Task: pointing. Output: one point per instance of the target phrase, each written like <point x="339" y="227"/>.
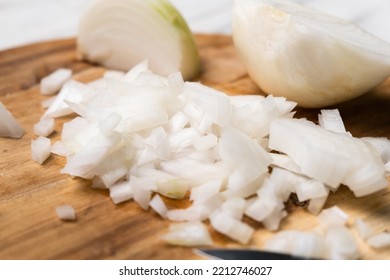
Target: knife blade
<point x="244" y="254"/>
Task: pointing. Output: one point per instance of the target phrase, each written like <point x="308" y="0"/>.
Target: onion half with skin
<point x="119" y="34"/>
<point x="306" y="56"/>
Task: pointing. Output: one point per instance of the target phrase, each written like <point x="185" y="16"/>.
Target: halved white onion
<point x="121" y="33"/>
<point x="306" y="56"/>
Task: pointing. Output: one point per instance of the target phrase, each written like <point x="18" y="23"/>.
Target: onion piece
<point x="363" y="229"/>
<point x="9" y="127"/>
<point x="44" y="127"/>
<point x="380" y="240"/>
<point x="58" y="148"/>
<point x="188" y="234"/>
<point x="158" y="205"/>
<point x="132" y="30"/>
<point x="332" y="216"/>
<point x="331" y="120"/>
<point x="341" y="243"/>
<point x="205" y="191"/>
<point x="66" y="212"/>
<point x="310" y="189"/>
<point x="234" y="207"/>
<point x="247" y="160"/>
<point x="120" y="192"/>
<point x="52" y="83"/>
<point x="317" y="204"/>
<point x="222" y="222"/>
<point x="304" y="244"/>
<point x="40" y="149"/>
<point x="381" y="145"/>
<point x="285" y="162"/>
<point x="73" y="91"/>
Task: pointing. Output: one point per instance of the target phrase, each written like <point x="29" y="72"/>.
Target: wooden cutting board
<point x="29" y="193"/>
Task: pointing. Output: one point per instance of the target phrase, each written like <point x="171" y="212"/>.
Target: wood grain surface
<point x="29" y="192"/>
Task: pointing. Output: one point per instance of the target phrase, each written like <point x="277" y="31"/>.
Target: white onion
<point x="158" y="205"/>
<point x="329" y="157"/>
<point x="121" y="33"/>
<point x="44" y="127"/>
<point x="141" y="136"/>
<point x="380" y="240"/>
<point x="40" y="149"/>
<point x="317" y="204"/>
<point x="58" y="148"/>
<point x="52" y="83"/>
<point x="188" y="234"/>
<point x="234" y="207"/>
<point x="331" y="120"/>
<point x="121" y="192"/>
<point x="9" y="126"/>
<point x="332" y="216"/>
<point x="72" y="91"/>
<point x="341" y="243"/>
<point x="302" y="244"/>
<point x="285" y="162"/>
<point x="233" y="228"/>
<point x="363" y="229"/>
<point x="205" y="191"/>
<point x="66" y="212"/>
<point x="306" y="56"/>
<point x="381" y="145"/>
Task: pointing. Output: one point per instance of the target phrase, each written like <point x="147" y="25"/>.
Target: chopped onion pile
<point x="143" y="136"/>
<point x="9" y="126"/>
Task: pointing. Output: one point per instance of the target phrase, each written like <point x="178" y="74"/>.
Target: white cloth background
<point x="27" y="21"/>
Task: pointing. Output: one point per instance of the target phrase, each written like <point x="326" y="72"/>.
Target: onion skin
<point x="119" y="34"/>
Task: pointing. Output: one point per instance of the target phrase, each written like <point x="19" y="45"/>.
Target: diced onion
<point x="44" y="127"/>
<point x="143" y="137"/>
<point x="66" y="212"/>
<point x="158" y="205"/>
<point x="332" y="216"/>
<point x="342" y="243"/>
<point x="40" y="149"/>
<point x="224" y="223"/>
<point x="331" y="120"/>
<point x="188" y="234"/>
<point x="52" y="83"/>
<point x="363" y="229"/>
<point x="380" y="240"/>
<point x="121" y="192"/>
